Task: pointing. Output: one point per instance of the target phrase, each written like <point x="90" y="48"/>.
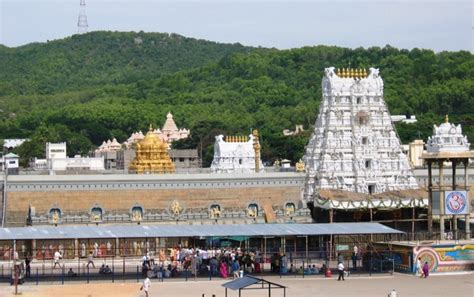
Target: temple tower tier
<point x="354" y="146"/>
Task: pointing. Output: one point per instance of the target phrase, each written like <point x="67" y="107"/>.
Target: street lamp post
<point x="4" y="202"/>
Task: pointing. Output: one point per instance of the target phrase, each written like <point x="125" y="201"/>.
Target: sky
<point x="436" y="25"/>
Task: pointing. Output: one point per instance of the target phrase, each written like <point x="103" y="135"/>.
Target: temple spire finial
<point x="446" y="119"/>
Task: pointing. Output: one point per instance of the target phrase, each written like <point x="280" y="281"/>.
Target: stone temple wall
<point x="181" y="198"/>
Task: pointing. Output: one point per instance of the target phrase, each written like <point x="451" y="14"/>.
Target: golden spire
<point x="352" y="73"/>
<point x="343" y="73"/>
<point x="359" y="73"/>
<point x="446" y="119"/>
<point x="365" y="73"/>
<point x="150" y="128"/>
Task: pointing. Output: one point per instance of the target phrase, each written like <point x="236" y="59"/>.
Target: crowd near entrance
<point x="190" y="257"/>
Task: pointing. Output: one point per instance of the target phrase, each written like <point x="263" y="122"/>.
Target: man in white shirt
<point x="340" y="269"/>
<point x="57" y="257"/>
<point x="146" y="285"/>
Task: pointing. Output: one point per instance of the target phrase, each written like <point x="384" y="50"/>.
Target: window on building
<point x="240" y="161"/>
<point x="365" y="140"/>
<point x="359" y="100"/>
<point x="181" y="159"/>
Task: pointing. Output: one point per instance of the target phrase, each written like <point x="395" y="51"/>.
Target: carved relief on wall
<point x="252" y="210"/>
<point x="137" y="214"/>
<point x="290" y="209"/>
<point x="55" y="215"/>
<point x="175" y="209"/>
<point x="214" y="211"/>
<point x="96" y="214"/>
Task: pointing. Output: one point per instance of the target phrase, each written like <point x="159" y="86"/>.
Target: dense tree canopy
<point x="114" y="88"/>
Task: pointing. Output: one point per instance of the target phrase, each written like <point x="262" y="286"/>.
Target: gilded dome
<point x="150" y="141"/>
<point x="151" y="155"/>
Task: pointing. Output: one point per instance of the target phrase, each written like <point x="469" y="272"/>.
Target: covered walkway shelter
<point x="249" y="282"/>
<point x="135" y="240"/>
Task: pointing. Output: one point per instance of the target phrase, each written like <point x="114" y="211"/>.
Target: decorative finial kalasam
<point x="446" y="119"/>
<point x="150" y="128"/>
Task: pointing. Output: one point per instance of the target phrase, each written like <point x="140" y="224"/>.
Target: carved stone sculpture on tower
<point x="354" y="127"/>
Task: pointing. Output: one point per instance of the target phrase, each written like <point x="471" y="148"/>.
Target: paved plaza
<point x="437" y="285"/>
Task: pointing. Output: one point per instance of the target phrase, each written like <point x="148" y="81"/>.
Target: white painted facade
<point x="354" y="146"/>
<point x="234" y="156"/>
<point x="56" y="150"/>
<point x="76" y="163"/>
<point x="56" y="159"/>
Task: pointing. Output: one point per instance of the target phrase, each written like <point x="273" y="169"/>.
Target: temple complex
<point x="237" y="154"/>
<point x="354" y="151"/>
<point x="168" y="133"/>
<point x="109" y="146"/>
<point x="151" y="156"/>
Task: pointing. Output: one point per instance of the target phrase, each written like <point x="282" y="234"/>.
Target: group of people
<point x="422" y="271"/>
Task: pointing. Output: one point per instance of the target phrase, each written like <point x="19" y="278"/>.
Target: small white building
<point x="234" y="154"/>
<point x="10" y="161"/>
<point x="56" y="150"/>
<point x="57" y="160"/>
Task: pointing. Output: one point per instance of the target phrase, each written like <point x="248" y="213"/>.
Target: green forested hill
<point x="99" y="58"/>
<point x="266" y="89"/>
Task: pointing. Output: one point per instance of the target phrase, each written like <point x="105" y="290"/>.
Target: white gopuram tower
<point x="354" y="146"/>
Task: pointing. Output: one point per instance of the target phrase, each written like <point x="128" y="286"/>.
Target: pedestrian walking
<point x="235" y="269"/>
<point x="418" y="267"/>
<point x="146" y="286"/>
<point x="90" y="260"/>
<point x="57" y="257"/>
<point x="426" y="270"/>
<point x="340" y="269"/>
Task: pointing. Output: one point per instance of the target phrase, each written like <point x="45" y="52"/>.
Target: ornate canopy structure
<point x="152" y="156"/>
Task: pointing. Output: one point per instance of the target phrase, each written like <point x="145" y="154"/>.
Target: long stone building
<point x="180" y="198"/>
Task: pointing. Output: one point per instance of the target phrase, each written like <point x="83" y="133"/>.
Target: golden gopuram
<point x="151" y="156"/>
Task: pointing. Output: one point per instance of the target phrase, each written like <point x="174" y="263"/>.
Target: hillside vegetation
<point x="234" y="90"/>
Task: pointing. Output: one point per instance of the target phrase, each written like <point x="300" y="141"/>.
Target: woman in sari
<point x="426" y="270"/>
<point x="223" y="269"/>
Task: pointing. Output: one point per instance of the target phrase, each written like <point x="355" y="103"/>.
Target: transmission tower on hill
<point x="82" y="20"/>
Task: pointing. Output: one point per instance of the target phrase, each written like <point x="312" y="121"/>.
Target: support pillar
<point x="455" y="218"/>
<point x="430" y="198"/>
<point x="117" y="248"/>
<point x="33" y="249"/>
<point x="76" y="248"/>
<point x="441" y="199"/>
<point x="468" y="216"/>
<point x="331" y="218"/>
